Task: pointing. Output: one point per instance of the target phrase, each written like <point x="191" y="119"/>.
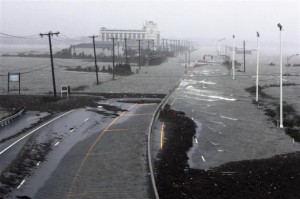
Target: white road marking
<point x="293" y="140"/>
<point x="221" y="123"/>
<point x="34" y="131"/>
<point x="72" y="130"/>
<point x="213" y="143"/>
<point x="21" y="184"/>
<point x="86" y="119"/>
<point x="37" y="164"/>
<point x="220" y="150"/>
<point x="56" y="143"/>
<point x="196" y="140"/>
<point x="203" y="158"/>
<point x="100" y="106"/>
<point x="229" y="118"/>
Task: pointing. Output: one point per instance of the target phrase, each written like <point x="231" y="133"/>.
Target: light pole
<point x="233" y="57"/>
<point x="257" y="66"/>
<point x="220" y="48"/>
<point x="281" y="111"/>
<point x="287" y="61"/>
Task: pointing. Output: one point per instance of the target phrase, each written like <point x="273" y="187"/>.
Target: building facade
<point x="149" y="32"/>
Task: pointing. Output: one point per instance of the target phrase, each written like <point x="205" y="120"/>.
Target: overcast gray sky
<point x="175" y="18"/>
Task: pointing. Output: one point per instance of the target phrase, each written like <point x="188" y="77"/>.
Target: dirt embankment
<point x="276" y="177"/>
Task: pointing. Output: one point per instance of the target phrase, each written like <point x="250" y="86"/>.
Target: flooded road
<point x="229" y="126"/>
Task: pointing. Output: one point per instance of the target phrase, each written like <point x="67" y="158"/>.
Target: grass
<point x="80" y="88"/>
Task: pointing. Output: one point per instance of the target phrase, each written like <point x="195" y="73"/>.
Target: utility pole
<point x="50" y="34"/>
<point x="139" y="53"/>
<point x="96" y="67"/>
<point x="126" y="55"/>
<point x="189" y="58"/>
<point x="257" y="67"/>
<point x="163" y="45"/>
<point x="281" y="97"/>
<point x="233" y="58"/>
<point x="113" y="39"/>
<point x="119" y="52"/>
<point x="185" y="60"/>
<point x="167" y="46"/>
<point x="244" y="56"/>
<point x="148" y="45"/>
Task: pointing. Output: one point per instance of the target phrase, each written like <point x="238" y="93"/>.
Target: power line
<point x="69" y="38"/>
<point x="35" y="70"/>
<point x="21" y="37"/>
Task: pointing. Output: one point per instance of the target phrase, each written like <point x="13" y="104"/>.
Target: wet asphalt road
<point x="8" y="136"/>
<point x="95" y="153"/>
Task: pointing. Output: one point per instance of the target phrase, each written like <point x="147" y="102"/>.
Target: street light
<point x="220" y="49"/>
<point x="257" y="66"/>
<point x="287" y="60"/>
<point x="281" y="111"/>
<point x="233" y="58"/>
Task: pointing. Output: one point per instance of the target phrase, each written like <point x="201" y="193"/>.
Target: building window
<point x="134" y="36"/>
<point x="143" y="35"/>
<point x="125" y="35"/>
<point x="107" y="36"/>
<point x="129" y="35"/>
<point x="121" y="35"/>
<point x="103" y="37"/>
<point x="111" y="35"/>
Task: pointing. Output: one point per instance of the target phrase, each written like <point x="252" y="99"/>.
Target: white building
<point x="147" y="33"/>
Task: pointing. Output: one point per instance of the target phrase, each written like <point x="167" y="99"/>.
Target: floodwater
<point x="229" y="126"/>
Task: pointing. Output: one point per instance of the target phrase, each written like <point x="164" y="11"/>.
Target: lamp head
<point x="279" y="26"/>
<point x="233" y="36"/>
<point x="257" y="34"/>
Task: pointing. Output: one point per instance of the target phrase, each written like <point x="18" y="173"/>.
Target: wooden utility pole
<point x="96" y="67"/>
<point x="113" y="39"/>
<point x="50" y="34"/>
<point x="148" y="46"/>
<point x="244" y="56"/>
<point x="125" y="39"/>
<point x="139" y="53"/>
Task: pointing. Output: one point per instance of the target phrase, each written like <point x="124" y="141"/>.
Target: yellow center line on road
<point x="91" y="148"/>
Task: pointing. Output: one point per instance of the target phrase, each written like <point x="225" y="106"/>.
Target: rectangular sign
<point x="14" y="77"/>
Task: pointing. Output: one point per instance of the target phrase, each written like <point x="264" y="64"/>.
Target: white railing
<point x="11" y="118"/>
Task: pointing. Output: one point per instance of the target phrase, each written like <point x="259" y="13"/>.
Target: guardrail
<point x="10" y="119"/>
<point x="153" y="120"/>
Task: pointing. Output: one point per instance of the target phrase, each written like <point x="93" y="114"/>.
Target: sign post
<point x="14" y="77"/>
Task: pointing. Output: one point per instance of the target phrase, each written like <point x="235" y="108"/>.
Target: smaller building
<point x="103" y="48"/>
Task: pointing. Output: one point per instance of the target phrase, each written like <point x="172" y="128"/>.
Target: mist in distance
<point x="192" y="20"/>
